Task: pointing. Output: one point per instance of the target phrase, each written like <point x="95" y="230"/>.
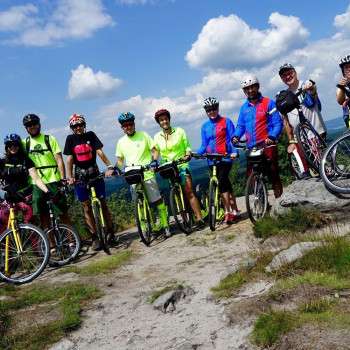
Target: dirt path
<point x="123" y="319"/>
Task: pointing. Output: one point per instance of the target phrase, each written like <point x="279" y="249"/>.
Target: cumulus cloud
<point x="134" y="2"/>
<point x="84" y="83"/>
<point x="228" y="41"/>
<point x="70" y="19"/>
<point x="342" y="23"/>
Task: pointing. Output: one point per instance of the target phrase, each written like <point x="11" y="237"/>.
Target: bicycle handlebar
<point x="211" y="156"/>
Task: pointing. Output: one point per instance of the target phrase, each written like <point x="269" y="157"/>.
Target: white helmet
<point x="343" y="61"/>
<point x="210" y="102"/>
<point x="249" y="80"/>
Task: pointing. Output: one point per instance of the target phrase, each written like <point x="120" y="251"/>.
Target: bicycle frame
<point x="141" y="195"/>
<point x="95" y="200"/>
<point x="213" y="178"/>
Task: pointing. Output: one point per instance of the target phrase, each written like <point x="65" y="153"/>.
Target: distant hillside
<point x="336" y="123"/>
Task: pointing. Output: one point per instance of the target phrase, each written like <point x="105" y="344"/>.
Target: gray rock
<point x="296" y="251"/>
<point x="168" y="300"/>
<point x="64" y="344"/>
<point x="249" y="263"/>
<point x="310" y="193"/>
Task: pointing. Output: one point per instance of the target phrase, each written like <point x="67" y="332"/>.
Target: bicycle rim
<point x="256" y="197"/>
<point x="213" y="204"/>
<point x="295" y="167"/>
<point x="28" y="264"/>
<point x="311" y="144"/>
<point x="100" y="229"/>
<point x="335" y="165"/>
<point x="143" y="221"/>
<point x="178" y="209"/>
<point x="67" y="243"/>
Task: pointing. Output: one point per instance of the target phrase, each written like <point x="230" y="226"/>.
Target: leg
<point x="191" y="197"/>
<point x="273" y="173"/>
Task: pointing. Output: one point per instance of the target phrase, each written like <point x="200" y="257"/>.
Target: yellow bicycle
<point x="24" y="251"/>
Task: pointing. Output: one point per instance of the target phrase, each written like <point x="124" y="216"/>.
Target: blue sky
<point x="100" y="57"/>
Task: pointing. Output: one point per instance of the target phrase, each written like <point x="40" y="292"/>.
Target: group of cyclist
<point x="34" y="166"/>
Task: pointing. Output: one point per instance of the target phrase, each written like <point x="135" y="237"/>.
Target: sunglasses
<point x="126" y="125"/>
<point x="208" y="110"/>
<point x="81" y="125"/>
<point x="30" y="124"/>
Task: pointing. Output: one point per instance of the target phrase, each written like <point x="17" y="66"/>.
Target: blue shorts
<point x="82" y="191"/>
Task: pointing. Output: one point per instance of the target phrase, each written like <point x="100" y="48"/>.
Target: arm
<point x="340" y="93"/>
<point x="155" y="153"/>
<point x="70" y="161"/>
<point x="187" y="144"/>
<point x="109" y="172"/>
<point x="240" y="128"/>
<point x="120" y="162"/>
<point x="60" y="164"/>
<point x="36" y="179"/>
<point x="204" y="144"/>
<point x="230" y="129"/>
<point x="275" y="121"/>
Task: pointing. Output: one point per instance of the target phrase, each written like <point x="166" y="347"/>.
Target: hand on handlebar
<point x="343" y="81"/>
<point x="187" y="157"/>
<point x="269" y="141"/>
<point x="70" y="180"/>
<point x="109" y="172"/>
<point x="154" y="164"/>
<point x="235" y="140"/>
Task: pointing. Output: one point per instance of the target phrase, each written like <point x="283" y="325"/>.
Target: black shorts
<point x="222" y="173"/>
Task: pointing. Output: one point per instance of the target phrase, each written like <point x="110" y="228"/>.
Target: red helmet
<point x="161" y="112"/>
<point x="76" y="119"/>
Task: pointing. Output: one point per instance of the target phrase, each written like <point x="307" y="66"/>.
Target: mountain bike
<point x="216" y="212"/>
<point x="97" y="212"/>
<point x="256" y="194"/>
<point x="65" y="241"/>
<point x="179" y="206"/>
<point x="24" y="250"/>
<point x="144" y="216"/>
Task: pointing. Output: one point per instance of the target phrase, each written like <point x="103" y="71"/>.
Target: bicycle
<point x="100" y="222"/>
<point x="180" y="208"/>
<point x="256" y="194"/>
<point x="145" y="221"/>
<point x="66" y="241"/>
<point x="216" y="212"/>
<point x="24" y="250"/>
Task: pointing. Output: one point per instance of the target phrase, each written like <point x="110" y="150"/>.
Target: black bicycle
<point x="179" y="206"/>
<point x="64" y="240"/>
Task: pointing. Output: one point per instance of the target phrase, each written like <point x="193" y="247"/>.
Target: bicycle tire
<point x="100" y="229"/>
<point x="35" y="244"/>
<point x="297" y="172"/>
<point x="257" y="188"/>
<point x="336" y="176"/>
<point x="181" y="214"/>
<point x="68" y="247"/>
<point x="213" y="204"/>
<point x="312" y="146"/>
<point x="144" y="226"/>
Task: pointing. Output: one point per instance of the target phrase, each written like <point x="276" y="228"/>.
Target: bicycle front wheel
<point x="182" y="215"/>
<point x="213" y="204"/>
<point x="23" y="254"/>
<point x="67" y="244"/>
<point x="312" y="145"/>
<point x="100" y="228"/>
<point x="335" y="165"/>
<point x="256" y="197"/>
<point x="143" y="221"/>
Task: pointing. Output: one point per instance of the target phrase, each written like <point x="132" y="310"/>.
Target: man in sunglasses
<point x="216" y="134"/>
<point x="81" y="149"/>
<point x="46" y="155"/>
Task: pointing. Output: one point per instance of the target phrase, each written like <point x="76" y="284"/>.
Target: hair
<point x="21" y="152"/>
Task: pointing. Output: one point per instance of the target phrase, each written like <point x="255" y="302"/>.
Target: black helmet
<point x="30" y="118"/>
<point x="284" y="67"/>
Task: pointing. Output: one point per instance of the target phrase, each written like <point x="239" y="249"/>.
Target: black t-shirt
<point x="14" y="171"/>
<point x="83" y="149"/>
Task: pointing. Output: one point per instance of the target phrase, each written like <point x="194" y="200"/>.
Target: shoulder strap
<point x="47" y="143"/>
<point x="28" y="144"/>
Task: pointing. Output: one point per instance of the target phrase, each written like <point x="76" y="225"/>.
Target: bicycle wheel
<point x="143" y="221"/>
<point x="27" y="264"/>
<point x="296" y="167"/>
<point x="256" y="197"/>
<point x="335" y="165"/>
<point x="100" y="228"/>
<point x="213" y="204"/>
<point x="67" y="245"/>
<point x="182" y="214"/>
<point x="312" y="145"/>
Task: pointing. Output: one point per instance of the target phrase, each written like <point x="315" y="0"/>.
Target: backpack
<point x="83" y="152"/>
<point x="41" y="151"/>
<point x="286" y="101"/>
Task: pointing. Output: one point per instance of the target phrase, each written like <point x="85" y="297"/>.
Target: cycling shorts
<point x="222" y="173"/>
<point x="83" y="193"/>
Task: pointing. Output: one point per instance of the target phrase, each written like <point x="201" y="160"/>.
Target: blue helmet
<point x="12" y="138"/>
<point x="126" y="117"/>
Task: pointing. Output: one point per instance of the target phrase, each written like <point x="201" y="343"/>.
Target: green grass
<point x="317" y="305"/>
<point x="158" y="292"/>
<point x="103" y="265"/>
<point x="230" y="283"/>
<point x="296" y="220"/>
<point x="270" y="326"/>
<point x="68" y="299"/>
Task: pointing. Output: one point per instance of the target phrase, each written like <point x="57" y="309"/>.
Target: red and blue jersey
<point x="216" y="136"/>
<point x="259" y="121"/>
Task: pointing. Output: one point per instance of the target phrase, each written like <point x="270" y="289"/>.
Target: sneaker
<point x="96" y="245"/>
<point x="229" y="218"/>
<point x="167" y="232"/>
<point x="200" y="225"/>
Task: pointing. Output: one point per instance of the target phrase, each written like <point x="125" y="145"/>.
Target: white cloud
<point x="134" y="2"/>
<point x="17" y="17"/>
<point x="342" y="23"/>
<point x="70" y="19"/>
<point x="227" y="42"/>
<point x="84" y="83"/>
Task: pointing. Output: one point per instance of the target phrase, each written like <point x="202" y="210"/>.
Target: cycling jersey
<point x="258" y="121"/>
<point x="216" y="137"/>
<point x="136" y="150"/>
<point x="43" y="157"/>
<point x="172" y="146"/>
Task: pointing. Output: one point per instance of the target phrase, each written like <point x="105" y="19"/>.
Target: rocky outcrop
<point x="310" y="193"/>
